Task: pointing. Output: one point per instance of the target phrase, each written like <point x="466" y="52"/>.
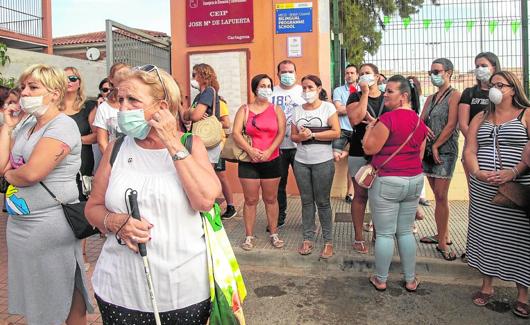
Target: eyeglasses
<point x="253" y="121"/>
<point x="150" y="68"/>
<point x="435" y="72"/>
<point x="499" y="85"/>
<point x="73" y="78"/>
<point x="104" y="90"/>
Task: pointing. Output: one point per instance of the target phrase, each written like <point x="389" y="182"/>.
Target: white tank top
<point x="177" y="250"/>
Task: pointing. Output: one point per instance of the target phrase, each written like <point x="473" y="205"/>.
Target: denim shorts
<point x="443" y="170"/>
<point x="354" y="164"/>
<point x="339" y="144"/>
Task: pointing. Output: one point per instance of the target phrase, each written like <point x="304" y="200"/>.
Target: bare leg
<point x="522" y="294"/>
<point x="441" y="212"/>
<point x="251" y="194"/>
<point x="358" y="209"/>
<point x="269" y="189"/>
<point x="77" y="315"/>
<point x="225" y="185"/>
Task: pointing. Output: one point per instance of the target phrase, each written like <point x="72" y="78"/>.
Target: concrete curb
<point x="347" y="263"/>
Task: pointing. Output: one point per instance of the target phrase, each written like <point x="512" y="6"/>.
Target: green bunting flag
<point x="426" y="23"/>
<point x="469" y="25"/>
<point x="406" y="21"/>
<point x="515" y="26"/>
<point x="386" y="20"/>
<point x="492" y="25"/>
<point x="448" y="24"/>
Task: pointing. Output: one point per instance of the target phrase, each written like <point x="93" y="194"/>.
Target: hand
<point x="436" y="156"/>
<point x="133" y="232"/>
<point x="9" y="115"/>
<point x="165" y="125"/>
<point x="368" y="118"/>
<point x="364" y="87"/>
<point x="499" y="177"/>
<point x="204" y="116"/>
<point x="430" y="134"/>
<point x="255" y="154"/>
<point x="305" y="133"/>
<point x="266" y="155"/>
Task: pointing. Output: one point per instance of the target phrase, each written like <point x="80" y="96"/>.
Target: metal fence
<point x="454" y="29"/>
<point x="21" y="16"/>
<point x="135" y="48"/>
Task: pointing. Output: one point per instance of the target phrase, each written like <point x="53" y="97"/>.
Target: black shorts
<point x="264" y="170"/>
<point x="220" y="166"/>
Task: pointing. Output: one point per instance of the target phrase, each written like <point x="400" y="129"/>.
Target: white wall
<point x="91" y="72"/>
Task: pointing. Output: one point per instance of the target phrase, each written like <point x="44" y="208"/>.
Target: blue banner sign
<point x="294" y="18"/>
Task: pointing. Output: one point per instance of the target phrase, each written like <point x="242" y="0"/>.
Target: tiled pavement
<point x="291" y="233"/>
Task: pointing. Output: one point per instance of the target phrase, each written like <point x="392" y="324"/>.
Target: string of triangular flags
<point x="448" y="23"/>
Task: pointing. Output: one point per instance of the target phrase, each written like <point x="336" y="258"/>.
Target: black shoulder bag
<point x="75" y="215"/>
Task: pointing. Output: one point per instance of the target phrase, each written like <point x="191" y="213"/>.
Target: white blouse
<point x="177" y="250"/>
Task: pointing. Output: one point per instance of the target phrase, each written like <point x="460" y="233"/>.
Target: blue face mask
<point x="437" y="80"/>
<point x="133" y="123"/>
<point x="287" y="79"/>
<point x="382" y="87"/>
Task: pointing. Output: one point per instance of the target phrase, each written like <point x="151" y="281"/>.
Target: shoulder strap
<point x="214" y="103"/>
<point x="51" y="193"/>
<point x="116" y="149"/>
<point x="520" y="116"/>
<point x="381" y="107"/>
<point x="402" y="145"/>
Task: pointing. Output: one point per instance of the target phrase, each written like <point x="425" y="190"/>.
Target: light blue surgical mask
<point x="437" y="80"/>
<point x="382" y="87"/>
<point x="133" y="123"/>
<point x="287" y="79"/>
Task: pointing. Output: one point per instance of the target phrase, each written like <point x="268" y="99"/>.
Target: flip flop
<point x="372" y="280"/>
<point x="521" y="309"/>
<point x="485" y="297"/>
<point x="447" y="255"/>
<point x="432" y="240"/>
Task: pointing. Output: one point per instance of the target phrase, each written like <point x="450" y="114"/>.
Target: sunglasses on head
<point x="73" y="78"/>
<point x="150" y="68"/>
<point x="435" y="72"/>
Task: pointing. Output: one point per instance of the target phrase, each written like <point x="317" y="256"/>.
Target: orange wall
<point x="265" y="51"/>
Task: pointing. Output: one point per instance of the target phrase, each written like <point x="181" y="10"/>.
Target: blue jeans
<point x="393" y="201"/>
<point x="314" y="183"/>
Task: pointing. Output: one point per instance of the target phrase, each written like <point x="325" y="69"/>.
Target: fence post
<point x="526" y="54"/>
<point x="109" y="55"/>
<point x="336" y="46"/>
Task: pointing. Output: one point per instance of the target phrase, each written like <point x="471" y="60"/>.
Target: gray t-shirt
<point x="33" y="200"/>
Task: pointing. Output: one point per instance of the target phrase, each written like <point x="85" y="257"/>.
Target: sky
<point x="71" y="17"/>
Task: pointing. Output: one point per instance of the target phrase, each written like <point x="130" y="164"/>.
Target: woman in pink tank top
<point x="265" y="124"/>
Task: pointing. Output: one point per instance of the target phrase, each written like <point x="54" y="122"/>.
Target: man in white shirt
<point x="340" y="97"/>
<point x="287" y="95"/>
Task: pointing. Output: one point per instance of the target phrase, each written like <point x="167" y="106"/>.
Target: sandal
<point x="481" y="299"/>
<point x="276" y="241"/>
<point x="447" y="255"/>
<point x="306" y="248"/>
<point x="360" y="247"/>
<point x="520" y="309"/>
<point x="416" y="285"/>
<point x="432" y="240"/>
<point x="249" y="243"/>
<point x="414" y="229"/>
<point x="368" y="226"/>
<point x="327" y="252"/>
<point x="374" y="282"/>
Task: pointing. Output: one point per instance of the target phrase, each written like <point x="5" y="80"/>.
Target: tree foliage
<point x="362" y="23"/>
<point x="4" y="59"/>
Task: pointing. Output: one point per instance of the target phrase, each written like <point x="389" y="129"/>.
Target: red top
<point x="264" y="130"/>
<point x="400" y="123"/>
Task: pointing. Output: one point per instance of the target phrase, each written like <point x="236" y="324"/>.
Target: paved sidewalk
<point x="265" y="254"/>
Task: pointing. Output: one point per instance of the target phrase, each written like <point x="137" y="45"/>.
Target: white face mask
<point x="33" y="105"/>
<point x="265" y="93"/>
<point x="482" y="73"/>
<point x="367" y="78"/>
<point x="195" y="84"/>
<point x="287" y="79"/>
<point x="310" y="96"/>
<point x="495" y="95"/>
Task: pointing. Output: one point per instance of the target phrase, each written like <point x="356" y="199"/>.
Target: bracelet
<point x="515" y="173"/>
<point x="105" y="222"/>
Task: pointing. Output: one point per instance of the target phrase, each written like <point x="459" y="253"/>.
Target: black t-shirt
<point x="476" y="98"/>
<point x="87" y="155"/>
<point x="206" y="97"/>
<point x="375" y="106"/>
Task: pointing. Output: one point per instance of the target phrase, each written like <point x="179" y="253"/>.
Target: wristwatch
<point x="180" y="155"/>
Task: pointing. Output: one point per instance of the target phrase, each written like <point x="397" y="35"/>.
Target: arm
<point x="197" y="113"/>
<point x="334" y="133"/>
<point x="225" y="122"/>
<point x="46" y="155"/>
<point x="452" y="121"/>
<point x="341" y="109"/>
<point x="463" y="118"/>
<point x="92" y="137"/>
<point x="471" y="149"/>
<point x="102" y="137"/>
<point x="280" y="117"/>
<point x="237" y="134"/>
<point x="6" y="129"/>
<point x="375" y="137"/>
<point x="357" y="110"/>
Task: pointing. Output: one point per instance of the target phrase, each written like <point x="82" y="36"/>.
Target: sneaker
<point x="280" y="225"/>
<point x="229" y="213"/>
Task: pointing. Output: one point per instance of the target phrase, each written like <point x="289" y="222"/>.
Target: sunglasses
<point x="104" y="90"/>
<point x="435" y="72"/>
<point x="253" y="121"/>
<point x="150" y="68"/>
<point x="73" y="78"/>
<point x="499" y="85"/>
<point x="193" y="74"/>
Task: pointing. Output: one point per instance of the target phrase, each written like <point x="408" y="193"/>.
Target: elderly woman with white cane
<point x="172" y="185"/>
